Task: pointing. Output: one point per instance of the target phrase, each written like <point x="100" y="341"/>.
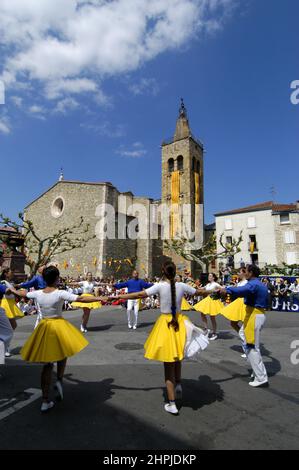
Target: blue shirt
<point x="255" y="293"/>
<point x="37" y="282"/>
<point x="133" y="285"/>
<point x="2" y="289"/>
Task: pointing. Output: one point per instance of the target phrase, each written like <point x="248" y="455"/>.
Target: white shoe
<point x="83" y="329"/>
<point x="244" y="356"/>
<point x="178" y="392"/>
<point x="213" y="337"/>
<point x="171" y="409"/>
<point x="256" y="383"/>
<point x="59" y="390"/>
<point x="134" y="327"/>
<point x="46" y="406"/>
<point x="130" y="327"/>
<point x="7" y="354"/>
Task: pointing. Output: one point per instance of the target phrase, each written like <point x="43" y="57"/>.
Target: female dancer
<point x="166" y="342"/>
<point x="88" y="288"/>
<point x="6" y="331"/>
<point x="209" y="306"/>
<point x="54" y="339"/>
<point x="8" y="302"/>
<point x="236" y="311"/>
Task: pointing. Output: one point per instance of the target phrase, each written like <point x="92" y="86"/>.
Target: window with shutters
<point x="284" y="219"/>
<point x="291" y="257"/>
<point x="251" y="222"/>
<point x="289" y="237"/>
<point x="228" y="224"/>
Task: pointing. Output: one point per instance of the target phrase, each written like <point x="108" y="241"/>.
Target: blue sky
<point x="105" y="122"/>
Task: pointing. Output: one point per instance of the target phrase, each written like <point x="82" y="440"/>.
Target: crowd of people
<point x="243" y="300"/>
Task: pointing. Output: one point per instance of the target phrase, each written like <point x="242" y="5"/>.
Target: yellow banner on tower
<point x="175" y="199"/>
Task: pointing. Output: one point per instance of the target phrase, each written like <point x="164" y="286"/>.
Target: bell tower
<point x="182" y="185"/>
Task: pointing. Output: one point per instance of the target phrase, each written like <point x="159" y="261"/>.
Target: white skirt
<point x="196" y="341"/>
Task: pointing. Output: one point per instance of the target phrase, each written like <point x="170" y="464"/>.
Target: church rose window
<point x="57" y="207"/>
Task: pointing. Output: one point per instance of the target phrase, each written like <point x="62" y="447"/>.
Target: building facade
<point x="270" y="233"/>
<point x="125" y="230"/>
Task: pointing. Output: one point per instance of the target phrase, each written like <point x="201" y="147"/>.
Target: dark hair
<point x="243" y="270"/>
<point x="215" y="277"/>
<point x="50" y="275"/>
<point x="255" y="270"/>
<point x="169" y="270"/>
<point x="4" y="273"/>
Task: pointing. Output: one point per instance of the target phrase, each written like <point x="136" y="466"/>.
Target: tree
<point x="40" y="251"/>
<point x="205" y="255"/>
<point x="284" y="270"/>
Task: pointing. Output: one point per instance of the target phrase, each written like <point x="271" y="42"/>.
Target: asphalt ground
<point x="114" y="397"/>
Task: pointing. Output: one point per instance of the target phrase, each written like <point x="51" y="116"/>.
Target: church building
<point x="137" y="225"/>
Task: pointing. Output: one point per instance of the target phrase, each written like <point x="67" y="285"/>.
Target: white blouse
<point x="87" y="287"/>
<point x="211" y="286"/>
<point x="51" y="304"/>
<point x="163" y="289"/>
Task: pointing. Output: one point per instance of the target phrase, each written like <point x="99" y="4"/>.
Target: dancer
<point x="167" y="340"/>
<point x="36" y="282"/>
<point x="8" y="302"/>
<point x="133" y="285"/>
<point x="255" y="295"/>
<point x="54" y="339"/>
<point x="209" y="306"/>
<point x="6" y="330"/>
<point x="236" y="311"/>
<point x="88" y="288"/>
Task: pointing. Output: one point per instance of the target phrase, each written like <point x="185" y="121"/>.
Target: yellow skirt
<point x="91" y="306"/>
<point x="164" y="344"/>
<point x="249" y="323"/>
<point x="185" y="305"/>
<point x="11" y="308"/>
<point x="235" y="311"/>
<point x="53" y="340"/>
<point x="209" y="306"/>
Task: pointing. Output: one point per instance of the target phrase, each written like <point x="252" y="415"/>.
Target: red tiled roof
<point x="268" y="205"/>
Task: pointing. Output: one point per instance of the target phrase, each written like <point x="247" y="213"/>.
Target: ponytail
<point x="169" y="269"/>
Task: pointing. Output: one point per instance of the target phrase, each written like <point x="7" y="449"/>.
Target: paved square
<point x="114" y="397"/>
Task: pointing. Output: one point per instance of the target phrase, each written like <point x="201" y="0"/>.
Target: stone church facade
<point x="137" y="223"/>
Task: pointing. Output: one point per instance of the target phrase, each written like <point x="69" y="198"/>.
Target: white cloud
<point x="17" y="100"/>
<point x="65" y="105"/>
<point x="148" y="86"/>
<point x="37" y="112"/>
<point x="72" y="46"/>
<point x="106" y="129"/>
<point x="4" y="126"/>
<point x="137" y="150"/>
<point x="35" y="109"/>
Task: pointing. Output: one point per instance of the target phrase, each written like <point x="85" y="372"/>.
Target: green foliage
<point x="207" y="253"/>
<point x="40" y="251"/>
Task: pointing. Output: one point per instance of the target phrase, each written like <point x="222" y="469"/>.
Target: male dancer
<point x="255" y="295"/>
<point x="133" y="285"/>
<point x="36" y="283"/>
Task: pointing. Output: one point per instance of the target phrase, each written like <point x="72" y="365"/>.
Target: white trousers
<point x="132" y="310"/>
<point x="253" y="353"/>
<point x="6" y="334"/>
